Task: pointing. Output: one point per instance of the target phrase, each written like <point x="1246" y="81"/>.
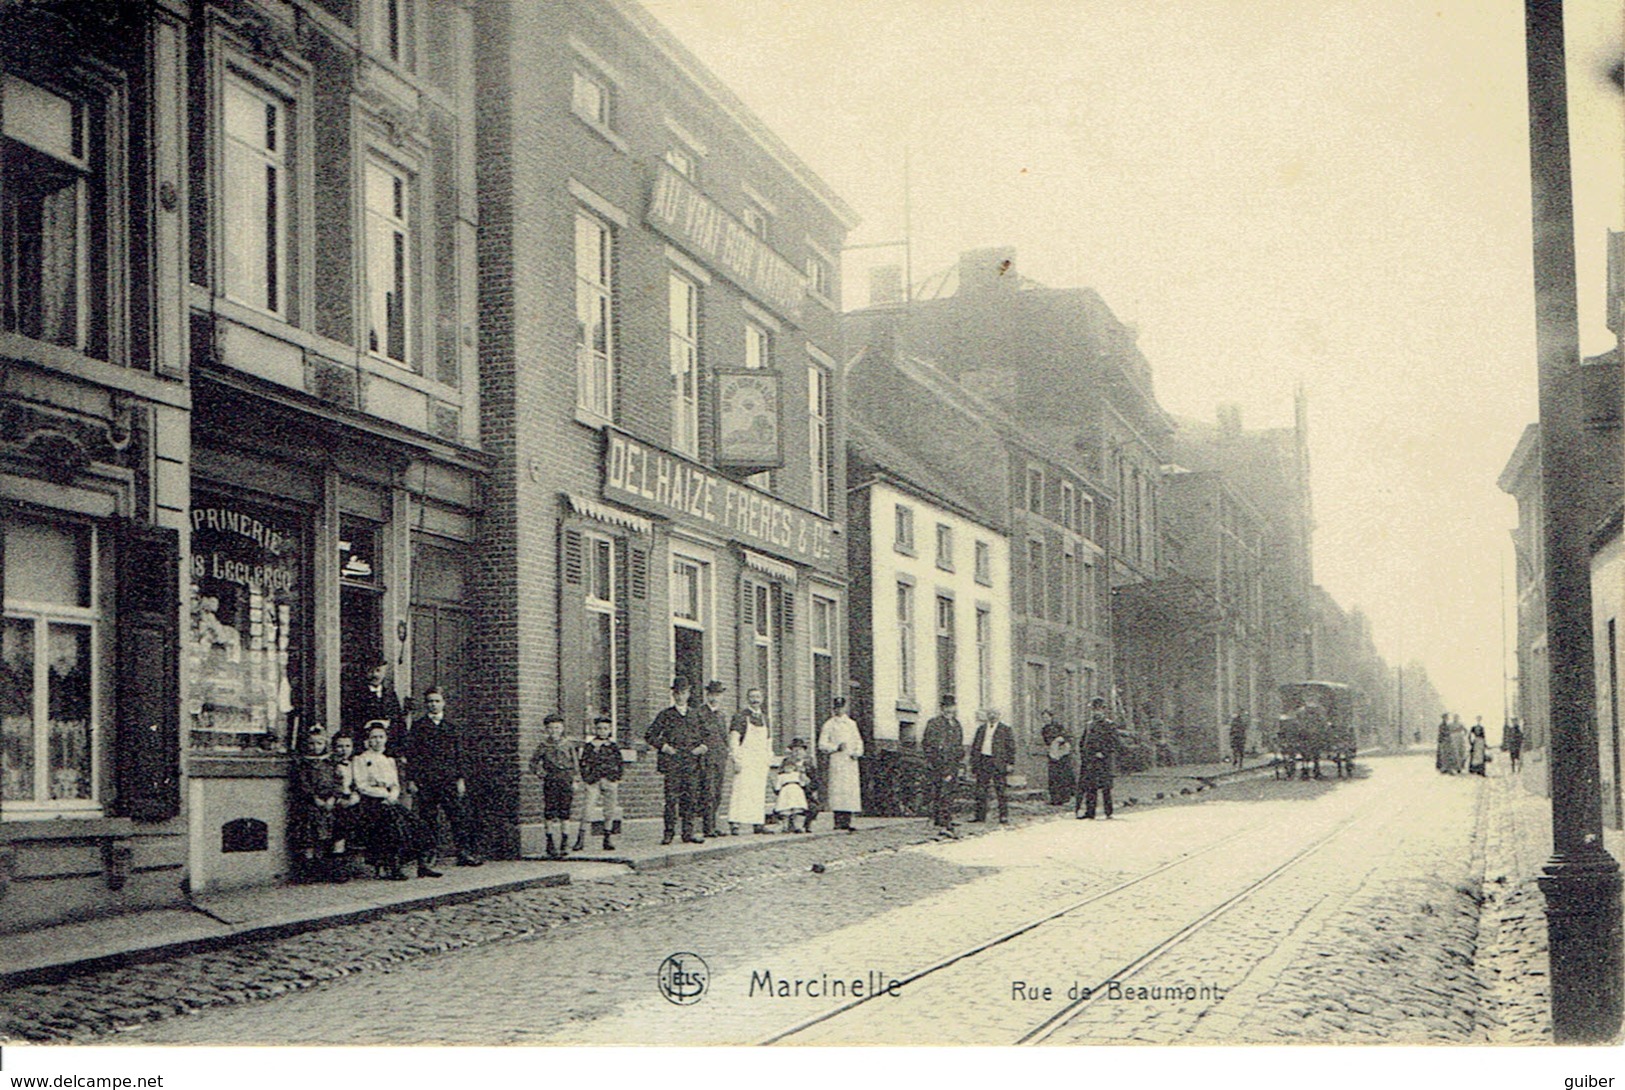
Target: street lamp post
<point x="1581" y="882"/>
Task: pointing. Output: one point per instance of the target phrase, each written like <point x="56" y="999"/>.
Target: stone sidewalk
<point x="228" y="918"/>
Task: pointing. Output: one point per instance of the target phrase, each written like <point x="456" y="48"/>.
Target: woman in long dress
<point x="1458" y="745"/>
<point x="750" y="752"/>
<point x="1478" y="750"/>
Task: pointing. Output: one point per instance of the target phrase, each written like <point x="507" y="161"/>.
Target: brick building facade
<point x="658" y="359"/>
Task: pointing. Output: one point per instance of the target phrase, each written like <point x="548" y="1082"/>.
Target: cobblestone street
<point x="1281" y="912"/>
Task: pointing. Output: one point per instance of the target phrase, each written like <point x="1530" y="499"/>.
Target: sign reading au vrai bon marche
<point x="661" y="483"/>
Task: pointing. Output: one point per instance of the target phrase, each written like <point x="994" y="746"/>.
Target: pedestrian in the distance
<point x="675" y="735"/>
<point x="555" y="762"/>
<point x="599" y="762"/>
<point x="993" y="755"/>
<point x="943" y="746"/>
<point x="1097" y="749"/>
<point x="1063" y="777"/>
<point x="1441" y="749"/>
<point x="1512" y="742"/>
<point x="714" y="767"/>
<point x="841" y="740"/>
<point x="1238" y="739"/>
<point x="1478" y="748"/>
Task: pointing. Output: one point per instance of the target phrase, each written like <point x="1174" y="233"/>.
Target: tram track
<point x="1126" y="969"/>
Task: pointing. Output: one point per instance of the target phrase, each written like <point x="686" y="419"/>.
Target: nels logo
<point x="683" y="979"/>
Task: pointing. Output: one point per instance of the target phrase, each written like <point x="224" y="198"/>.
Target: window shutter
<point x="746" y="648"/>
<point x="573" y="642"/>
<point x="146" y="740"/>
<point x="640" y="573"/>
<point x="787" y="600"/>
<point x="5" y="514"/>
<point x="572" y="556"/>
<point x="625" y="625"/>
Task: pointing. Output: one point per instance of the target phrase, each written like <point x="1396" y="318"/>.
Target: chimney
<point x="989" y="269"/>
<point x="885" y="286"/>
<point x="1229" y="421"/>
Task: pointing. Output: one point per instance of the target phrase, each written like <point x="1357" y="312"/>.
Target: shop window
<point x="249" y="637"/>
<point x="49" y="669"/>
<point x="361" y="601"/>
<point x="52" y="217"/>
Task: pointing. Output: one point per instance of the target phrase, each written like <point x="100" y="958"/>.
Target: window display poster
<point x="245" y="639"/>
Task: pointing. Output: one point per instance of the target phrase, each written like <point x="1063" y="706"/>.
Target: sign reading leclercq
<point x="662" y="483"/>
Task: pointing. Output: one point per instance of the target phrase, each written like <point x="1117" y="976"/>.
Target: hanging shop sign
<point x="654" y="480"/>
<point x="748" y="419"/>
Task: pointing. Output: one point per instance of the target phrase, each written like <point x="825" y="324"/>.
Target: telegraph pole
<point x="1581" y="881"/>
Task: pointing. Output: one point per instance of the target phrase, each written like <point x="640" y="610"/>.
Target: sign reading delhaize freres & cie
<point x="662" y="483"/>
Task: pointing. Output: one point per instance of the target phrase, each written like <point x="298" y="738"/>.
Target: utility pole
<point x="1581" y="881"/>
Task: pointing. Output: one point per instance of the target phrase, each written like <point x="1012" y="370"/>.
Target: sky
<point x="1273" y="193"/>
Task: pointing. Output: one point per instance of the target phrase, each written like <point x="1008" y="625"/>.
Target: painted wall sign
<point x="654" y="480"/>
<point x="680" y="211"/>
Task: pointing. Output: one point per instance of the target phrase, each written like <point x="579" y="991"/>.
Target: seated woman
<point x="319" y="789"/>
<point x="393" y="834"/>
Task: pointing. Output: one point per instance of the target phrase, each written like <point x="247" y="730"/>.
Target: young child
<point x="790" y="785"/>
<point x="600" y="762"/>
<point x="345" y="828"/>
<point x="555" y="762"/>
<point x="317" y="787"/>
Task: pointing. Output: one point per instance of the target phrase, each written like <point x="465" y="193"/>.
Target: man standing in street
<point x="993" y="753"/>
<point x="676" y="736"/>
<point x="1097" y="749"/>
<point x="714" y="765"/>
<point x="944" y="748"/>
<point x="841" y="740"/>
<point x="438" y="771"/>
<point x="1238" y="739"/>
<point x="1512" y="742"/>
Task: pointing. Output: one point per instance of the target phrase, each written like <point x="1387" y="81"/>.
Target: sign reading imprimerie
<point x="662" y="483"/>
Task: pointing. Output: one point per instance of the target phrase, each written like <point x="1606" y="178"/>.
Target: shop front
<point x="676" y="570"/>
<point x="317" y="552"/>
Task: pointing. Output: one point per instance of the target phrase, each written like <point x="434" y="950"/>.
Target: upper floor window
<point x="682" y="161"/>
<point x="594" y="344"/>
<point x="1086" y="517"/>
<point x="819" y="453"/>
<point x="254" y="195"/>
<point x="393" y="30"/>
<point x="945" y="547"/>
<point x="685" y="365"/>
<point x="590" y="98"/>
<point x="1037" y="580"/>
<point x="389" y="262"/>
<point x="1069" y="507"/>
<point x="758" y="348"/>
<point x="984" y="563"/>
<point x="1035" y="490"/>
<point x="52" y="218"/>
<point x="818" y="276"/>
<point x="904" y="539"/>
<point x="755" y="219"/>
